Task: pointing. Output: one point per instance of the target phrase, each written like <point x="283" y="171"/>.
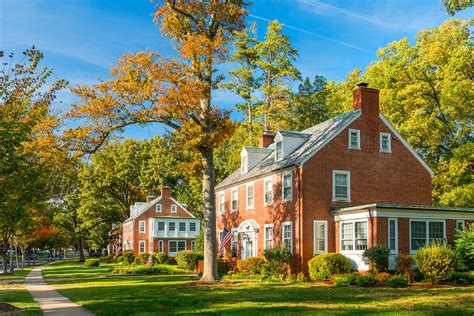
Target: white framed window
<point x="161" y="226"/>
<point x="141" y="227"/>
<point x="320" y="237"/>
<point x="424" y="232"/>
<point x="278" y="150"/>
<point x="193" y="245"/>
<point x="234" y="200"/>
<point x="268" y="229"/>
<point x="176" y="245"/>
<point x="385" y="143"/>
<point x="160" y="246"/>
<point x="150" y="247"/>
<point x="235" y="240"/>
<point x="460" y="224"/>
<point x="354" y="235"/>
<point x="192" y="227"/>
<point x="287" y="186"/>
<point x="287" y="235"/>
<point x="341" y="185"/>
<point x="174" y="209"/>
<point x="354" y="139"/>
<point x="171" y="226"/>
<point x="182" y="226"/>
<point x="393" y="235"/>
<point x="221" y="202"/>
<point x="268" y="191"/>
<point x="141" y="246"/>
<point x="158" y="208"/>
<point x="250" y="196"/>
<point x="243" y="164"/>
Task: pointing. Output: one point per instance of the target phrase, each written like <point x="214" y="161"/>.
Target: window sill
<point x="287" y="201"/>
<point x="355" y="148"/>
<point x="385" y="151"/>
<point x="250" y="209"/>
<point x="268" y="205"/>
<point x="234" y="211"/>
<point x="341" y="200"/>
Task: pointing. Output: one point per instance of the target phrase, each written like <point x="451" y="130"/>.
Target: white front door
<point x="248" y="243"/>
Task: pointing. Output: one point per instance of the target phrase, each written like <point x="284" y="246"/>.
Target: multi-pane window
<point x="182" y="227"/>
<point x="161" y="226"/>
<point x="341" y="185"/>
<point x="385" y="142"/>
<point x="235" y="239"/>
<point x="192" y="227"/>
<point x="392" y="234"/>
<point x="360" y="235"/>
<point x="268" y="236"/>
<point x="221" y="202"/>
<point x="287" y="235"/>
<point x="287" y="187"/>
<point x="160" y="246"/>
<point x="193" y="245"/>
<point x="268" y="191"/>
<point x="250" y="196"/>
<point x="320" y="236"/>
<point x="158" y="208"/>
<point x="354" y="235"/>
<point x="141" y="226"/>
<point x="176" y="245"/>
<point x="425" y="232"/>
<point x="279" y="151"/>
<point x="173" y="208"/>
<point x="354" y="139"/>
<point x="171" y="226"/>
<point x="243" y="164"/>
<point x="347" y="235"/>
<point x="141" y="246"/>
<point x="234" y="200"/>
<point x="460" y="224"/>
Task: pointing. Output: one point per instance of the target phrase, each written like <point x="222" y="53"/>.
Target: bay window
<point x="354" y="235"/>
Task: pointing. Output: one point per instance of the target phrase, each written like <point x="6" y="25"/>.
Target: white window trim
<point x="221" y="198"/>
<point x="158" y="208"/>
<point x="141" y="242"/>
<point x="353" y="251"/>
<point x="243" y="164"/>
<point x="174" y="227"/>
<point x="161" y="246"/>
<point x="291" y="186"/>
<point x="348" y="173"/>
<point x="233" y="231"/>
<point x="396" y="235"/>
<point x="265" y="246"/>
<point x="349" y="145"/>
<point x="179" y="227"/>
<point x="140" y="227"/>
<point x="251" y="184"/>
<point x="389" y="136"/>
<point x="325" y="237"/>
<point x="276" y="145"/>
<point x="195" y="227"/>
<point x="427" y="221"/>
<point x="176" y="240"/>
<point x="174" y="208"/>
<point x="283" y="224"/>
<point x="265" y="180"/>
<point x="463" y="223"/>
<point x="231" y="200"/>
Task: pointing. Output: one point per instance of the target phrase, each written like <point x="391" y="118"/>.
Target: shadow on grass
<point x="21" y="299"/>
<point x="171" y="295"/>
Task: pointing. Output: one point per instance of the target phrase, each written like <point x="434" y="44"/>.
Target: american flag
<point x="226" y="237"/>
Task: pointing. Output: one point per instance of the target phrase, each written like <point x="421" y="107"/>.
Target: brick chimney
<point x="166" y="192"/>
<point x="366" y="99"/>
<point x="265" y="140"/>
<point x="150" y="198"/>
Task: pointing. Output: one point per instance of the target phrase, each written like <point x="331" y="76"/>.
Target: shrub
<point x="269" y="271"/>
<point x="107" y="259"/>
<point x="377" y="258"/>
<point x="404" y="266"/>
<point x="418" y="276"/>
<point x="398" y="281"/>
<point x="366" y="280"/>
<point x="436" y="262"/>
<point x="160" y="258"/>
<point x="345" y="280"/>
<point x="172" y="261"/>
<point x="279" y="258"/>
<point x="118" y="259"/>
<point x="158" y="269"/>
<point x="461" y="278"/>
<point x="383" y="277"/>
<point x="223" y="267"/>
<point x="323" y="266"/>
<point x="250" y="266"/>
<point x="464" y="248"/>
<point x="128" y="257"/>
<point x="187" y="259"/>
<point x="92" y="262"/>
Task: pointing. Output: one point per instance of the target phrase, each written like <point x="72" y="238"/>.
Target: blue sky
<point x="81" y="39"/>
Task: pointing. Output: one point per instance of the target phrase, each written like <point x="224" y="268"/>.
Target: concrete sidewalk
<point x="49" y="300"/>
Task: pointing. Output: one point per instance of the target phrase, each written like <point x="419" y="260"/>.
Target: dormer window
<point x="243" y="164"/>
<point x="278" y="151"/>
<point x="354" y="139"/>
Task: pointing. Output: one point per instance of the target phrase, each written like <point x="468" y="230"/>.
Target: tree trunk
<point x="210" y="273"/>
<point x="22" y="249"/>
<point x="81" y="250"/>
<point x="4" y="262"/>
<point x="34" y="255"/>
<point x="12" y="269"/>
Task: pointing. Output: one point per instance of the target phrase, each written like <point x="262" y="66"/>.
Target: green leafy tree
<point x="453" y="6"/>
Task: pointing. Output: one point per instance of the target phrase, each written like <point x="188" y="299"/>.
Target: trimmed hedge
<point x="345" y="280"/>
<point x="436" y="262"/>
<point x="398" y="281"/>
<point x="278" y="259"/>
<point x="160" y="257"/>
<point x="92" y="262"/>
<point x="157" y="269"/>
<point x="324" y="266"/>
<point x="251" y="266"/>
<point x="128" y="257"/>
<point x="377" y="258"/>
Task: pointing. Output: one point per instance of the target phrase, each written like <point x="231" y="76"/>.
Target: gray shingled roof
<point x="316" y="138"/>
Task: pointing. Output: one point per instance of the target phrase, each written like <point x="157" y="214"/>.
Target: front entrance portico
<point x="248" y="236"/>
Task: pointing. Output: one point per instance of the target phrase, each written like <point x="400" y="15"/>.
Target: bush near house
<point x="107" y="259"/>
<point x="345" y="280"/>
<point x="142" y="258"/>
<point x="251" y="266"/>
<point x="187" y="259"/>
<point x="405" y="266"/>
<point x="118" y="259"/>
<point x="278" y="258"/>
<point x="366" y="280"/>
<point x="398" y="281"/>
<point x="128" y="257"/>
<point x="461" y="278"/>
<point x="464" y="248"/>
<point x="92" y="262"/>
<point x="157" y="269"/>
<point x="223" y="267"/>
<point x="377" y="258"/>
<point x="436" y="262"/>
<point x="160" y="257"/>
<point x="383" y="277"/>
<point x="323" y="266"/>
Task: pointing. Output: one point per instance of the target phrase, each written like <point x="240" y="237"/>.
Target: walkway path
<point x="49" y="300"/>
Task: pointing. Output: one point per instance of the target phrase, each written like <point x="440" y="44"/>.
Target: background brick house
<point x="160" y="225"/>
<point x="341" y="186"/>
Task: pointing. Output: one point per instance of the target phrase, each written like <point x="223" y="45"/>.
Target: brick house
<point x="341" y="186"/>
<point x="161" y="224"/>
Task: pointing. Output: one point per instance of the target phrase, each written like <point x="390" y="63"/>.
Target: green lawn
<point x="18" y="296"/>
<point x="18" y="274"/>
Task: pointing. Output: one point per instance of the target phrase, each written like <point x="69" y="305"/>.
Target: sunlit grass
<point x="18" y="296"/>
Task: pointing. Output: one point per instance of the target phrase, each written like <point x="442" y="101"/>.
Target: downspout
<point x="371" y="229"/>
<point x="300" y="257"/>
